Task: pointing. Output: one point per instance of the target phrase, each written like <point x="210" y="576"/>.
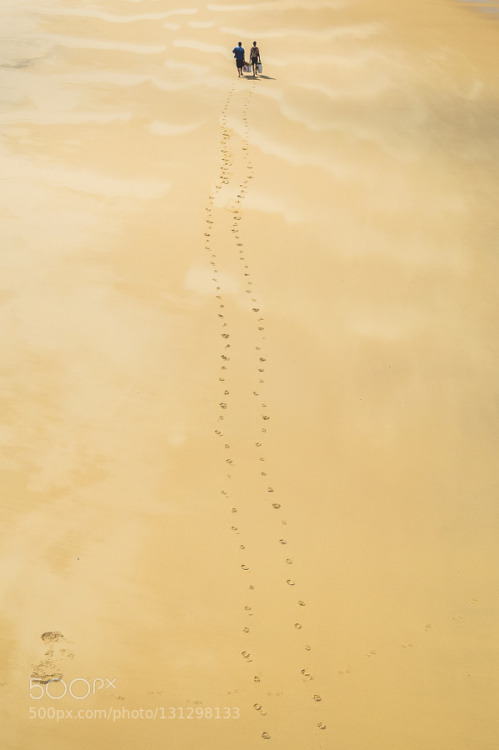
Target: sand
<point x="249" y="376"/>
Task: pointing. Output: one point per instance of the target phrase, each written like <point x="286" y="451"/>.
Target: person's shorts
<point x="240" y="63"/>
<point x="254" y="60"/>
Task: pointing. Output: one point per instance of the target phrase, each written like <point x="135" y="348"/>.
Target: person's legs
<point x="254" y="61"/>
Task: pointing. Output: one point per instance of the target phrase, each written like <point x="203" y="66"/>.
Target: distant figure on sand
<point x="255" y="58"/>
<point x="239" y="55"/>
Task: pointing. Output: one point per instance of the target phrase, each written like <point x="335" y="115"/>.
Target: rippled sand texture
<point x="249" y="375"/>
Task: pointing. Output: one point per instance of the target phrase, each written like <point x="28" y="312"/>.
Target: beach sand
<point x="249" y="376"/>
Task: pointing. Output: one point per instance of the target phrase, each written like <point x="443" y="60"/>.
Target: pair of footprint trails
<point x="233" y="157"/>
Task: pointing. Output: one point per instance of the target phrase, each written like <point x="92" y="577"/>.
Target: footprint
<point x="43" y="673"/>
<point x="49" y="669"/>
<point x="50" y="637"/>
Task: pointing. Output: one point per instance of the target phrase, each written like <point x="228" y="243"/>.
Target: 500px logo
<point x="79" y="688"/>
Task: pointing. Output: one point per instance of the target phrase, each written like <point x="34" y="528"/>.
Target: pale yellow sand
<point x="185" y="254"/>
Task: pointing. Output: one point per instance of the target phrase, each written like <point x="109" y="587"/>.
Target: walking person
<point x="255" y="58"/>
<point x="239" y="55"/>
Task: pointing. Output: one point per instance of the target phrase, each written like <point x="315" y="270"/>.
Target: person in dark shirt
<point x="255" y="58"/>
<point x="239" y="55"/>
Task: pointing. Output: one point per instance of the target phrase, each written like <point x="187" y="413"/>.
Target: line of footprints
<point x="224" y="179"/>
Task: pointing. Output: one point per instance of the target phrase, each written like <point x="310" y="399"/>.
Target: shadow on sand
<point x="257" y="78"/>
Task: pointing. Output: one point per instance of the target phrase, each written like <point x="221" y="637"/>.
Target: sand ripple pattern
<point x="251" y="412"/>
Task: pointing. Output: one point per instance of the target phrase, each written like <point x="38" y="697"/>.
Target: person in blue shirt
<point x="239" y="55"/>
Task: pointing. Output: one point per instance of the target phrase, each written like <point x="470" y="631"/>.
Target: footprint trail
<point x="256" y="517"/>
